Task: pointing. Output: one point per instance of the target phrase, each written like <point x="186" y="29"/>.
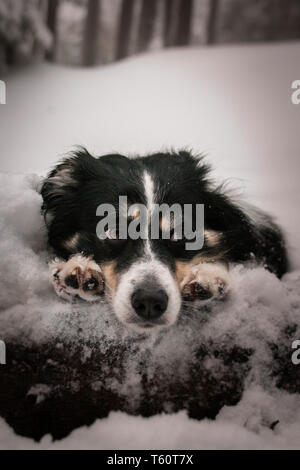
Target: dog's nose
<point x="149" y="305"/>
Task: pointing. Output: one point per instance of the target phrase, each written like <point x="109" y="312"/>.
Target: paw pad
<point x="205" y="282"/>
<point x="80" y="277"/>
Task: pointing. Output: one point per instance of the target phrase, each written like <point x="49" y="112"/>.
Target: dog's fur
<point x="88" y="266"/>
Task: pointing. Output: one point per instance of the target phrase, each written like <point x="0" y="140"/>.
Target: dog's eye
<point x="112" y="234"/>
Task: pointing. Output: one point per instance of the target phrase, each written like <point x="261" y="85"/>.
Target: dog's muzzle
<point x="147" y="296"/>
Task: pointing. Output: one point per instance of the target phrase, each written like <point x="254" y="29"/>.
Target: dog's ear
<point x="73" y="190"/>
<point x="64" y="181"/>
<point x="247" y="233"/>
<point x="69" y="176"/>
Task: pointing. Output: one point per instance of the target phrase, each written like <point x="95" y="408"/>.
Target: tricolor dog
<point x="146" y="278"/>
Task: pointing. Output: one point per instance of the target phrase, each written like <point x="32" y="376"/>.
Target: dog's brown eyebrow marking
<point x="135" y="213"/>
<point x="167" y="223"/>
<point x="212" y="238"/>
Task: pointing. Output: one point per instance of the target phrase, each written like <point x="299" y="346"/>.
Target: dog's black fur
<point x="70" y="207"/>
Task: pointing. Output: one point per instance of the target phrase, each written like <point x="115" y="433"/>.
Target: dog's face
<point x="148" y="273"/>
<point x="144" y="271"/>
<point x="143" y="275"/>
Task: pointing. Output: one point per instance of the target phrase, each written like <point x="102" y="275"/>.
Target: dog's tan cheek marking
<point x="181" y="270"/>
<point x="110" y="275"/>
<point x="134" y="213"/>
<point x="212" y="238"/>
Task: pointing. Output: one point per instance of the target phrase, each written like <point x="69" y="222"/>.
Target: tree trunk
<point x="91" y="31"/>
<point x="170" y="6"/>
<point x="184" y="23"/>
<point x="125" y="23"/>
<point x="212" y="22"/>
<point x="147" y="23"/>
<point x="52" y="13"/>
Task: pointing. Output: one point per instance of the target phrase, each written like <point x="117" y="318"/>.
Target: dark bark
<point x="184" y="22"/>
<point x="258" y="20"/>
<point x="170" y="6"/>
<point x="212" y="22"/>
<point x="66" y="408"/>
<point x="124" y="30"/>
<point x="91" y="31"/>
<point x="52" y="14"/>
<point x="147" y="24"/>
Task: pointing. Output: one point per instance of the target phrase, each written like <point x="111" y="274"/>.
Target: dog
<point x="147" y="280"/>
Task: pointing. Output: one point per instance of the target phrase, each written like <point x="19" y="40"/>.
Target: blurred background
<point x="93" y="32"/>
<point x="214" y="76"/>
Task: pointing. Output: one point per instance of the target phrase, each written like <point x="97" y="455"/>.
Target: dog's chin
<point x="145" y="327"/>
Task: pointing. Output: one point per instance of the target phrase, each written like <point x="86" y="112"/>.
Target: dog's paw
<point x="206" y="281"/>
<point x="79" y="276"/>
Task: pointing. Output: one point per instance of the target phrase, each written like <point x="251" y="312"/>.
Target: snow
<point x="235" y="104"/>
<point x="22" y="27"/>
<point x="175" y="431"/>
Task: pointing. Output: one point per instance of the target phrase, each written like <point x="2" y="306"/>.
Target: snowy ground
<point x="233" y="103"/>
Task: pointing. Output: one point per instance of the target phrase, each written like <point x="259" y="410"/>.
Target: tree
<point x="23" y="32"/>
<point x="124" y="30"/>
<point x="170" y="7"/>
<point x="52" y="14"/>
<point x="147" y="23"/>
<point x="91" y="32"/>
<point x="184" y="22"/>
<point x="212" y="21"/>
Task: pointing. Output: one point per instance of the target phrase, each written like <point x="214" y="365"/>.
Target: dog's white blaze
<point x="148" y="267"/>
<point x="149" y="193"/>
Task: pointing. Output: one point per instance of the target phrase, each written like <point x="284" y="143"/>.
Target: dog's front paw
<point x="79" y="276"/>
<point x="206" y="281"/>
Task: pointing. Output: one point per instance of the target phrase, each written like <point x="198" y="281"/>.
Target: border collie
<point x="145" y="279"/>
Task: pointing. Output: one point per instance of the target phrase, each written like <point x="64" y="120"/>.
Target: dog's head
<point x="131" y="215"/>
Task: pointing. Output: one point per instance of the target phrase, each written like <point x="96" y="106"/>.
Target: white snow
<point x="235" y="104"/>
<point x="175" y="431"/>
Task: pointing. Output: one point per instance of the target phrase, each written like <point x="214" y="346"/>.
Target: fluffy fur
<point x="147" y="280"/>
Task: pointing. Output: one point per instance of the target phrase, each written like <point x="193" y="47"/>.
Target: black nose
<point x="149" y="304"/>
